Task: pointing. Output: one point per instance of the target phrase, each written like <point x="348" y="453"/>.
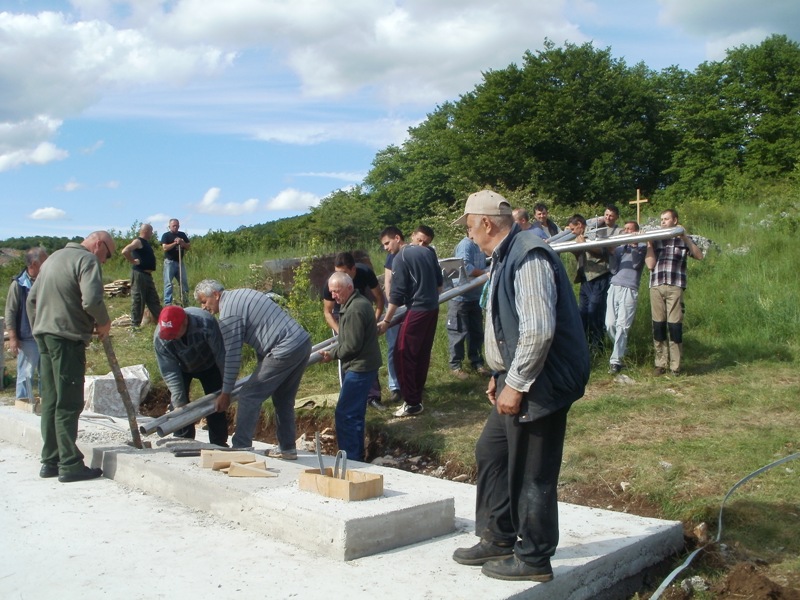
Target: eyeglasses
<point x="108" y="256"/>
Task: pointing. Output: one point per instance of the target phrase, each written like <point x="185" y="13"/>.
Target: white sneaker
<point x="407" y="410"/>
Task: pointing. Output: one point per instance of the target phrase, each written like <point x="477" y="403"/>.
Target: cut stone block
<point x="101" y="395"/>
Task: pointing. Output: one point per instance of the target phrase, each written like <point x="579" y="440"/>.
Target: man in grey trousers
<point x="282" y="349"/>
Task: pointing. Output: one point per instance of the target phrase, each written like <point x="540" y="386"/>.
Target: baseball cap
<point x="485" y="202"/>
<point x="170" y="322"/>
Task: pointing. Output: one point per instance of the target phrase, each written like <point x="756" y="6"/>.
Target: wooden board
<point x="256" y="469"/>
<point x="208" y="458"/>
<point x="26" y="406"/>
<point x="357" y="485"/>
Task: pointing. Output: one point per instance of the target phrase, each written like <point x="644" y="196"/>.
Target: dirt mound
<point x="744" y="581"/>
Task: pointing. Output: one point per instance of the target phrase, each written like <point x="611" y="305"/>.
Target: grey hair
<point x="501" y="221"/>
<point x="207" y="287"/>
<point x="342" y="279"/>
<point x="37" y="254"/>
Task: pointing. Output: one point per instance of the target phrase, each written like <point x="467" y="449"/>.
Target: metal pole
<point x="180" y="274"/>
<point x="619" y="240"/>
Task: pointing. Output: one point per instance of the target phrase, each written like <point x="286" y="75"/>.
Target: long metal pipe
<point x="202" y="407"/>
<point x="619" y="240"/>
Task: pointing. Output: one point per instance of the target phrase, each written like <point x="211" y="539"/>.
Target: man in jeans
<point x="465" y="315"/>
<point x="360" y="354"/>
<point x="626" y="264"/>
<point x="175" y="243"/>
<point x="20" y="336"/>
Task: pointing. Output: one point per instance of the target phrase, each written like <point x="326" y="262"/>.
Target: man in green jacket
<point x="65" y="306"/>
<point x="360" y="354"/>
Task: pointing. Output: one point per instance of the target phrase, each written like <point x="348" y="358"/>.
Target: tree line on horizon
<point x="571" y="126"/>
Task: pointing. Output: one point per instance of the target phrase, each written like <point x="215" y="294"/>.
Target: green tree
<point x="706" y="125"/>
<point x="571" y="124"/>
<point x="345" y="218"/>
<point x="765" y="81"/>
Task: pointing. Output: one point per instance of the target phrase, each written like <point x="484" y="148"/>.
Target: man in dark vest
<point x="143" y="289"/>
<point x="535" y="346"/>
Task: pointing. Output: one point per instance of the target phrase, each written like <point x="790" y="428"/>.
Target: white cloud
<point x="48" y="214"/>
<point x="159" y="220"/>
<point x="25" y="142"/>
<point x="111" y="185"/>
<point x="93" y="148"/>
<point x="209" y="205"/>
<point x="40" y="155"/>
<point x="726" y="24"/>
<point x="71" y="186"/>
<point x="294" y="200"/>
<point x="56" y="67"/>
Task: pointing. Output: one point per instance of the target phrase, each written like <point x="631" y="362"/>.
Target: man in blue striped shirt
<point x="282" y="350"/>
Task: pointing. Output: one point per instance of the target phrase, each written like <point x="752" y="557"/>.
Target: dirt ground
<point x="743" y="577"/>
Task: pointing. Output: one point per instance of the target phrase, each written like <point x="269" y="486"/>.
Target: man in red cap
<point x="188" y="346"/>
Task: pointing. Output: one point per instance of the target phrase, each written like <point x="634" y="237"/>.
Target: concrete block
<point x="101" y="395"/>
<point x="277" y="507"/>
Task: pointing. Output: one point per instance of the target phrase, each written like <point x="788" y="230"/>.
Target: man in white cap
<point x="534" y="344"/>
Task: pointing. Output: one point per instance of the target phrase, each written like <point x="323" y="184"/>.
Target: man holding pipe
<point x="188" y="345"/>
<point x="282" y="350"/>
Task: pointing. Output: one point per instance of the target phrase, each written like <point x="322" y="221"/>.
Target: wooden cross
<point x="638" y="202"/>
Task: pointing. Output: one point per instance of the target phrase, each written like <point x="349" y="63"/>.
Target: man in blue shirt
<point x="465" y="315"/>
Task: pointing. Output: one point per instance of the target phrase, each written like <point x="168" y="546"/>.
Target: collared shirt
<point x="535" y="301"/>
<point x="670" y="266"/>
<point x="474" y="259"/>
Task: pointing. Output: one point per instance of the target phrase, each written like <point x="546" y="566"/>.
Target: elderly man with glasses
<point x="65" y="307"/>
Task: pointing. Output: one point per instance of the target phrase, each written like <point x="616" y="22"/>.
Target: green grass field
<point x="676" y="443"/>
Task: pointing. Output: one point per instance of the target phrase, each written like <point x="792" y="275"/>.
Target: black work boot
<point x="482" y="552"/>
<point x="513" y="569"/>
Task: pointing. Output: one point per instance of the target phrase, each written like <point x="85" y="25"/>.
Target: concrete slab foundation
<point x="411" y="531"/>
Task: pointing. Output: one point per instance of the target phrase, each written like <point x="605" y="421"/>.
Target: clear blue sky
<point x="225" y="113"/>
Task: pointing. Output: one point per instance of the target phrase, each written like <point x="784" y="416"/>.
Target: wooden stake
<point x="123" y="392"/>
